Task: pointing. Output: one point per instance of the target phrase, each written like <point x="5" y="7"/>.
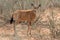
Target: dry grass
<point x="46" y="31"/>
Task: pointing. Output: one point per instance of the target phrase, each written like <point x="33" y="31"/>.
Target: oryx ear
<point x="32" y="4"/>
<point x="39" y="5"/>
<point x="34" y="7"/>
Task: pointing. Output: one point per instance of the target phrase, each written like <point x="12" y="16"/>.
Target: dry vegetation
<point x="46" y="26"/>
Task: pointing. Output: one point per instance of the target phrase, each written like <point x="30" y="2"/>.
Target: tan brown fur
<point x="24" y="15"/>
